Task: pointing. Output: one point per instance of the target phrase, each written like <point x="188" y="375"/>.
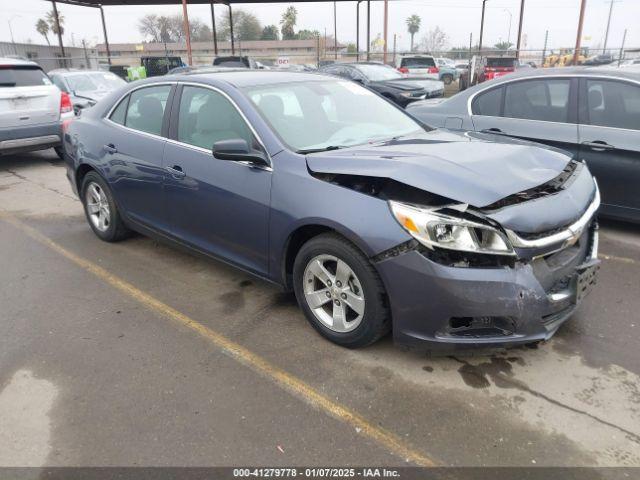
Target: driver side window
<point x="206" y="117"/>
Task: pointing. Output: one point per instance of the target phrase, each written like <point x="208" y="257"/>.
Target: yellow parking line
<point x="285" y="380"/>
<point x="617" y="259"/>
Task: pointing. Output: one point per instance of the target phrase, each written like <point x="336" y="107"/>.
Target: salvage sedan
<point x="377" y="222"/>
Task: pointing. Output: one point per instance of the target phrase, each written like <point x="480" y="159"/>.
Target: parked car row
<point x="375" y="220"/>
<point x="593" y="114"/>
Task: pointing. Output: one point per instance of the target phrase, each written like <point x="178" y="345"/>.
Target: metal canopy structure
<point x="112" y="3"/>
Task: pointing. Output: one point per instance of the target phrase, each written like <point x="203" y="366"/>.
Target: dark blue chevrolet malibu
<point x="376" y="221"/>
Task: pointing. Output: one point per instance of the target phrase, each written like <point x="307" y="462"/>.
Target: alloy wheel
<point x="98" y="207"/>
<point x="334" y="293"/>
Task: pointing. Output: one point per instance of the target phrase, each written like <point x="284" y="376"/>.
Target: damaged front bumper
<point x="444" y="305"/>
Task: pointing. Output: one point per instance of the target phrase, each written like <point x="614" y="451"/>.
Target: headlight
<point x="439" y="230"/>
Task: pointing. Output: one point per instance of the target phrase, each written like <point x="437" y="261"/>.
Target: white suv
<point x="32" y="108"/>
<point x="418" y="66"/>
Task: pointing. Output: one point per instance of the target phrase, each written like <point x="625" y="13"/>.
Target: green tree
<point x="351" y="47"/>
<point x="270" y="32"/>
<point x="51" y="20"/>
<point x="503" y="45"/>
<point x="307" y="34"/>
<point x="42" y="27"/>
<point x="246" y="26"/>
<point x="413" y="26"/>
<point x="288" y="22"/>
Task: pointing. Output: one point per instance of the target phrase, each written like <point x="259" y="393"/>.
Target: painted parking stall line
<point x="288" y="382"/>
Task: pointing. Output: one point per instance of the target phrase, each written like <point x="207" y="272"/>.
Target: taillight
<point x="403" y="70"/>
<point x="65" y="103"/>
<point x="434" y="70"/>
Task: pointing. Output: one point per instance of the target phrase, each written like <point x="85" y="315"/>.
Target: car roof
<point x="569" y="71"/>
<point x="246" y="77"/>
<point x="65" y="72"/>
<point x="17" y="61"/>
<point x="416" y="55"/>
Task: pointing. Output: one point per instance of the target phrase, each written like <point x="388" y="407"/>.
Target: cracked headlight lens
<point x="434" y="229"/>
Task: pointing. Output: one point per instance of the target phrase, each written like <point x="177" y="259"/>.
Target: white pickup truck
<point x="32" y="108"/>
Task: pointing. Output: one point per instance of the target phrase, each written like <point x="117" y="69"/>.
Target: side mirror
<point x="237" y="149"/>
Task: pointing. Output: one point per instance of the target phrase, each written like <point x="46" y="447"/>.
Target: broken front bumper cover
<point x="447" y="307"/>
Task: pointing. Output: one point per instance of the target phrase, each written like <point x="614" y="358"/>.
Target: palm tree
<point x="287" y="22"/>
<point x="51" y="20"/>
<point x="413" y="25"/>
<point x="42" y="27"/>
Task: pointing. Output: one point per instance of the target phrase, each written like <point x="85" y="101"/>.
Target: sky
<point x="457" y="18"/>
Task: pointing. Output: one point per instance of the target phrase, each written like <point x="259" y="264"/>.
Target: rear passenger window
<point x="146" y="109"/>
<point x="613" y="104"/>
<point x="488" y="103"/>
<point x="546" y="100"/>
<point x="118" y="115"/>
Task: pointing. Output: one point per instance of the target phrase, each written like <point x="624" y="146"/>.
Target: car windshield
<point x="90" y="82"/>
<point x="321" y="115"/>
<point x="379" y="73"/>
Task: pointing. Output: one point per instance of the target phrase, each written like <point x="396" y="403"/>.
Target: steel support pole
<point x="520" y="29"/>
<point x="385" y="29"/>
<point x="544" y="51"/>
<point x="606" y="35"/>
<point x="233" y="48"/>
<point x="187" y="30"/>
<point x="624" y="38"/>
<point x="106" y="38"/>
<point x="335" y="32"/>
<point x="576" y="53"/>
<point x="213" y="30"/>
<point x="57" y="19"/>
<point x="368" y="30"/>
<point x="358" y="30"/>
<point x="484" y="2"/>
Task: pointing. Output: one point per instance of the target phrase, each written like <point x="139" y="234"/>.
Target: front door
<point x="609" y="133"/>
<point x="134" y="143"/>
<point x="540" y="110"/>
<point x="218" y="206"/>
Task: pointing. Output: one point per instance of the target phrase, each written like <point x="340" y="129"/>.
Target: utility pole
<point x="509" y="31"/>
<point x="15" y="48"/>
<point x="106" y="39"/>
<point x="358" y="30"/>
<point x="386" y="19"/>
<point x="576" y="53"/>
<point x="606" y="35"/>
<point x="57" y="19"/>
<point x="394" y="48"/>
<point x="187" y="30"/>
<point x="368" y="29"/>
<point x="233" y="48"/>
<point x="213" y="29"/>
<point x="520" y="29"/>
<point x="544" y="51"/>
<point x="484" y="2"/>
<point x="335" y="32"/>
<point x="86" y="55"/>
<point x="624" y="38"/>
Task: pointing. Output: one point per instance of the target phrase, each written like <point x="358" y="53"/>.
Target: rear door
<point x="539" y="110"/>
<point x="609" y="133"/>
<point x="27" y="97"/>
<point x="133" y="145"/>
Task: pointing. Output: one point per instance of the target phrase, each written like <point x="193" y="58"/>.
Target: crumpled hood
<point x="473" y="168"/>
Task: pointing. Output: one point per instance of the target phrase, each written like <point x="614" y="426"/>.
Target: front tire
<point x="340" y="292"/>
<point x="100" y="209"/>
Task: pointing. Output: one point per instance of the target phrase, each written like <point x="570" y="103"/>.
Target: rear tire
<point x="101" y="210"/>
<point x="59" y="152"/>
<point x="349" y="305"/>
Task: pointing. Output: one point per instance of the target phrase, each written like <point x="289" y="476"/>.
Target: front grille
<point x="554" y="185"/>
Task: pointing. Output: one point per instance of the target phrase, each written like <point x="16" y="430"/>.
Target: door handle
<point x="110" y="148"/>
<point x="598" y="145"/>
<point x="176" y="171"/>
<point x="495" y="131"/>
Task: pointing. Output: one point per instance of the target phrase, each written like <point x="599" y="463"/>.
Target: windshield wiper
<point x="323" y="149"/>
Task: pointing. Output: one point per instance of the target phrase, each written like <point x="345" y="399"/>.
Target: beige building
<point x="297" y="51"/>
